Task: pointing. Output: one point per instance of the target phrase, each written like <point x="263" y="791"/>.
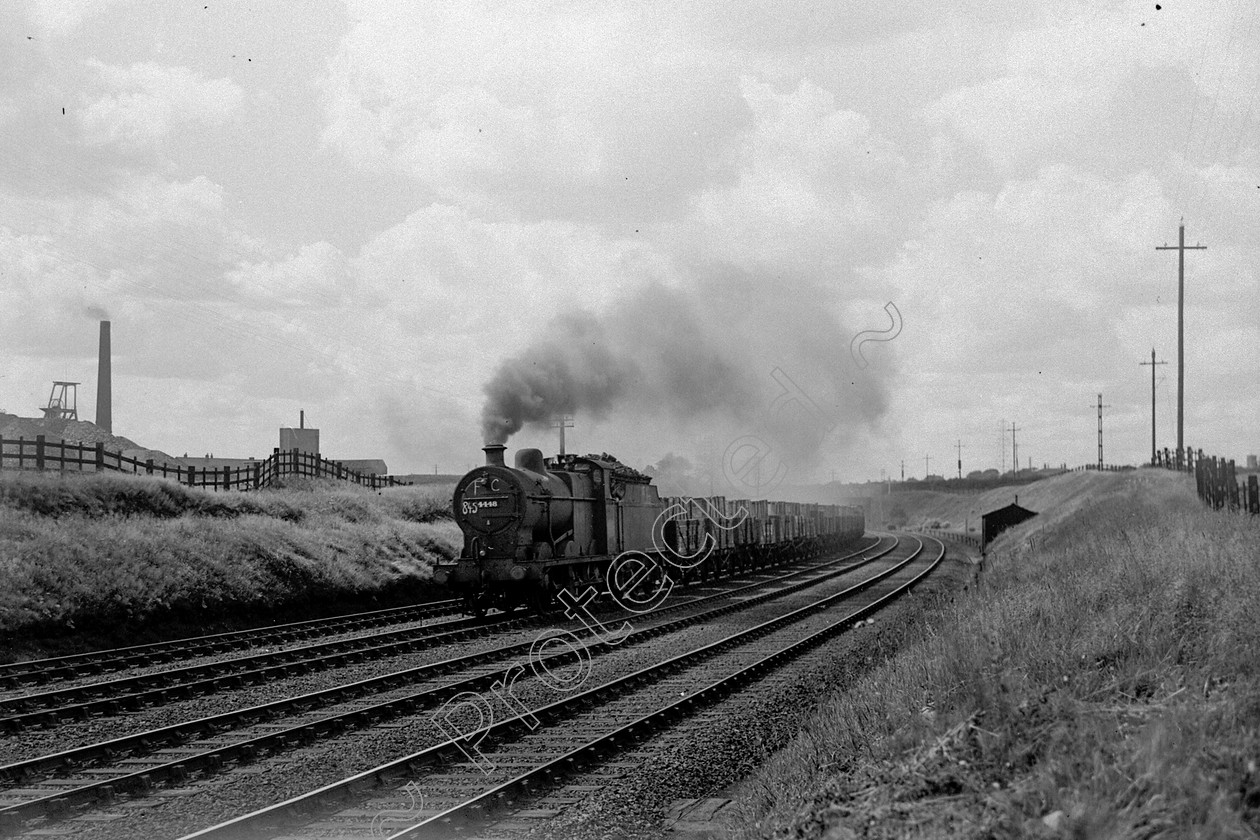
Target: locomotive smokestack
<point x="494" y="454"/>
<point x="104" y="396"/>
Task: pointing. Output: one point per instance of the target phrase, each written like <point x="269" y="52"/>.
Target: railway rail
<point x="132" y="692"/>
<point x="59" y="797"/>
<point x="43" y="671"/>
<point x="599" y="723"/>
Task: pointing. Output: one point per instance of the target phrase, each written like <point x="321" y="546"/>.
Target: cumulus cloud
<point x="543" y="111"/>
<point x="318" y="275"/>
<point x="59" y="17"/>
<point x="816" y="189"/>
<point x="696" y="195"/>
<point x="145" y="102"/>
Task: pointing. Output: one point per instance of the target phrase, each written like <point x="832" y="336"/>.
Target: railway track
<point x="461" y="784"/>
<point x="588" y="726"/>
<point x="137" y="764"/>
<point x="133" y="692"/>
<point x="130" y="693"/>
<point x="34" y="672"/>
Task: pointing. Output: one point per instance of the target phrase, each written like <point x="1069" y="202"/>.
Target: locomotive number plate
<point x="470" y="506"/>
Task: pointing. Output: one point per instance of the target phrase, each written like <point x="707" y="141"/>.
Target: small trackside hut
<point x="996" y="521"/>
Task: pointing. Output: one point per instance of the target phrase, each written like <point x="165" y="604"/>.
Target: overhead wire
<point x="1227" y="125"/>
<point x="1196" y="190"/>
<point x="1182" y="178"/>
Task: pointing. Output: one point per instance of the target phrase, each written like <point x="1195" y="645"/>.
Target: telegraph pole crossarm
<point x="1181" y="247"/>
<point x="1152" y="363"/>
<point x="563" y="422"/>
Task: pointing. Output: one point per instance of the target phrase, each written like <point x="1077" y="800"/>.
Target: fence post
<point x="192" y="476"/>
<point x="1218" y="471"/>
<point x="227" y="477"/>
<point x="1229" y="484"/>
<point x="100" y="457"/>
<point x="1" y="452"/>
<point x="1253" y="494"/>
<point x="39" y="452"/>
<point x="257" y="475"/>
<point x="1218" y="486"/>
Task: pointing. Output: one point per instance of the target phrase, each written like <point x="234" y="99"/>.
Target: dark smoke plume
<point x="704" y="353"/>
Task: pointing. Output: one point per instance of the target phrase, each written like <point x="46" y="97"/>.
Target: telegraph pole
<point x="926" y="468"/>
<point x="562" y="423"/>
<point x="959" y="447"/>
<point x="903" y="469"/>
<point x="1014" y="450"/>
<point x="1100" y="447"/>
<point x="1152" y="363"/>
<point x="1181" y="247"/>
<point x="1002" y="448"/>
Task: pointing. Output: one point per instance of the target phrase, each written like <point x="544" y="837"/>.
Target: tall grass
<point x="1102" y="680"/>
<point x="108" y="552"/>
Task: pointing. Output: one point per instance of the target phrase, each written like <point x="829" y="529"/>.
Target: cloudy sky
<point x="370" y="210"/>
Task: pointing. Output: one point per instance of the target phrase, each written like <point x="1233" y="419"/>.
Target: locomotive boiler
<point x="546" y="524"/>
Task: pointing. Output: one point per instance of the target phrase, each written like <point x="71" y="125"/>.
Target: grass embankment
<point x="89" y="560"/>
<point x="1101" y="680"/>
<point x="1058" y="496"/>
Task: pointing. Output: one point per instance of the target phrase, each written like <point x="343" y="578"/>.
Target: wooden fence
<point x="1215" y="479"/>
<point x="1175" y="459"/>
<point x="1217" y="482"/>
<point x="66" y="456"/>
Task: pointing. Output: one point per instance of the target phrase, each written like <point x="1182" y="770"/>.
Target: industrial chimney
<point x="104" y="397"/>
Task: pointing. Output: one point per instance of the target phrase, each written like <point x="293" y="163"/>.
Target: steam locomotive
<point x="547" y="524"/>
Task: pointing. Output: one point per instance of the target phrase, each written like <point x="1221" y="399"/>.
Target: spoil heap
<point x="78" y="431"/>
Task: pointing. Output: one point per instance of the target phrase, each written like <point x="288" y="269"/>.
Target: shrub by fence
<point x="66" y="456"/>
